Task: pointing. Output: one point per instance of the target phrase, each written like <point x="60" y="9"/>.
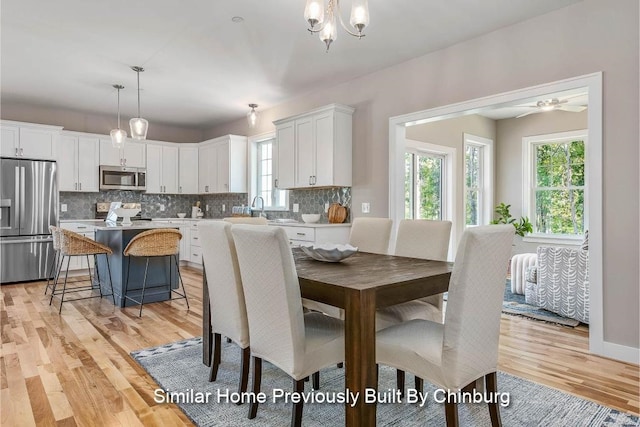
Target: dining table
<point x="360" y="285"/>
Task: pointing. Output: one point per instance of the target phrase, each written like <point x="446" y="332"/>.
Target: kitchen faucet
<point x="254" y="205"/>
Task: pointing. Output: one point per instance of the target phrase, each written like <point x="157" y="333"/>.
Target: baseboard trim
<point x="621" y="352"/>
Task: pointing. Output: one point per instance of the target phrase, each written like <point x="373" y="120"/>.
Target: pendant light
<point x="138" y="125"/>
<point x="118" y="136"/>
<point x="252" y="116"/>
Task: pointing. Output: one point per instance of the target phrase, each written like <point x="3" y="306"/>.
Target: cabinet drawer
<point x="196" y="255"/>
<point x="306" y="234"/>
<point x="195" y="238"/>
<point x="194" y="226"/>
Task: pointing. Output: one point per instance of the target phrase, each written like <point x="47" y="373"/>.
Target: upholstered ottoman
<point x="519" y="265"/>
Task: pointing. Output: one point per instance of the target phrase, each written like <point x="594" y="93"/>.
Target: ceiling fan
<point x="553" y="104"/>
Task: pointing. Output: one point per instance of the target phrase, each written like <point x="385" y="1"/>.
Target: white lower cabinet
<point x="325" y="234"/>
<point x="196" y="248"/>
<point x="77" y="262"/>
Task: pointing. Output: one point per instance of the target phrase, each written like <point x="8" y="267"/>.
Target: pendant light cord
<point x="138" y="73"/>
<point x="118" y="108"/>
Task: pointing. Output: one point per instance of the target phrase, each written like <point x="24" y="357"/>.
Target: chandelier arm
<point x="358" y="35"/>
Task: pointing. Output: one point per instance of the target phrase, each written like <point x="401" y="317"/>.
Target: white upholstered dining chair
<point x="368" y="235"/>
<point x="464" y="349"/>
<point x="299" y="344"/>
<point x="426" y="239"/>
<point x="226" y="296"/>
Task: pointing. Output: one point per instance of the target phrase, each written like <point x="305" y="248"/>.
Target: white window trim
<point x="448" y="196"/>
<point x="253" y="142"/>
<point x="487" y="176"/>
<point x="528" y="178"/>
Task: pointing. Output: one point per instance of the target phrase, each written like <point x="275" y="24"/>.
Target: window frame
<point x="485" y="177"/>
<point x="529" y="144"/>
<point x="254" y="169"/>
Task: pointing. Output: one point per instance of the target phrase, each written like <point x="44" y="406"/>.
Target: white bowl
<point x="329" y="252"/>
<point x="182" y="215"/>
<point x="310" y="218"/>
<point x="126" y="214"/>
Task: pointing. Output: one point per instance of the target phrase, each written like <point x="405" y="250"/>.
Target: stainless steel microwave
<point x="123" y="178"/>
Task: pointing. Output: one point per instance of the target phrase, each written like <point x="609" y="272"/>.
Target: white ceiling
<point x="201" y="68"/>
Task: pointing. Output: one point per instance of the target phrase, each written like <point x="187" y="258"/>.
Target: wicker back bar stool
<point x="162" y="242"/>
<point x="55" y="267"/>
<point x="76" y="245"/>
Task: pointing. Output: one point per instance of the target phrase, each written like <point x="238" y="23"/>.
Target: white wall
<point x="93" y="123"/>
<point x="590" y="36"/>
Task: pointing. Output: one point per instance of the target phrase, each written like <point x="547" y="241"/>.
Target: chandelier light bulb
<point x="329" y="33"/>
<point x="314" y="12"/>
<point x="359" y="15"/>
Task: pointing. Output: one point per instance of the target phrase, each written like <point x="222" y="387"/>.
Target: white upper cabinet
<point x="222" y="165"/>
<point x="162" y="168"/>
<point x="78" y="162"/>
<point x="133" y="154"/>
<point x="314" y="148"/>
<point x="28" y="140"/>
<point x="188" y="170"/>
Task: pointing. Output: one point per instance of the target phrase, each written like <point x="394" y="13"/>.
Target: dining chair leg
<point x="215" y="363"/>
<point x="244" y="371"/>
<point x="340" y="365"/>
<point x="451" y="413"/>
<point x="419" y="384"/>
<point x="400" y="377"/>
<point x="296" y="415"/>
<point x="492" y="389"/>
<point x="257" y="378"/>
<point x="316" y="380"/>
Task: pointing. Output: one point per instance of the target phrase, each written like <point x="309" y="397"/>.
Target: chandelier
<point x="325" y="23"/>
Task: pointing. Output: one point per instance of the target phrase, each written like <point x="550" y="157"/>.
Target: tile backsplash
<point x="83" y="205"/>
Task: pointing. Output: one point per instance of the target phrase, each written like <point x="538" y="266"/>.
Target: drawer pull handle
<point x="301" y="234"/>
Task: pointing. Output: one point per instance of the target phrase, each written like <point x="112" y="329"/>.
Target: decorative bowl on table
<point x="310" y="218"/>
<point x="329" y="252"/>
<point x="182" y="215"/>
<point x="126" y="215"/>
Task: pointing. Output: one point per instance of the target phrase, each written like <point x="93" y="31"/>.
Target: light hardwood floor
<point x="75" y="368"/>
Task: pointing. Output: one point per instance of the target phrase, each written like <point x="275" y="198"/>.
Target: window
<point x="274" y="199"/>
<point x="478" y="173"/>
<point x="262" y="166"/>
<point x="555" y="185"/>
<point x="424" y="197"/>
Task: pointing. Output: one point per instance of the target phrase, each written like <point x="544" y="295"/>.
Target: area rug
<point x="178" y="369"/>
<point x="515" y="304"/>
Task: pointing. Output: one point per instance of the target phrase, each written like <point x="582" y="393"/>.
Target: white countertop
<point x="89" y="225"/>
<point x="310" y="225"/>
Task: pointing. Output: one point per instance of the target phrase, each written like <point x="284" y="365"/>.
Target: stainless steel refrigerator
<point x="28" y="206"/>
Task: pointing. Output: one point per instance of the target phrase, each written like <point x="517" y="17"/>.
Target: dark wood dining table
<point x="359" y="284"/>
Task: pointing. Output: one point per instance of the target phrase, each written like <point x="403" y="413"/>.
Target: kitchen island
<point x="162" y="274"/>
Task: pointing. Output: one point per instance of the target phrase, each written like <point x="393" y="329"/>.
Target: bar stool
<point x="163" y="242"/>
<point x="55" y="268"/>
<point x="74" y="244"/>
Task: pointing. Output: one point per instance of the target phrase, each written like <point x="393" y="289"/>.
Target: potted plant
<point x="522" y="226"/>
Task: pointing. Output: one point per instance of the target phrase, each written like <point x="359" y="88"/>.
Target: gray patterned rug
<point x="515" y="304"/>
<point x="178" y="367"/>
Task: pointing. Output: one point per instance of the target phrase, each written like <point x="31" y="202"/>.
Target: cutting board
<point x="337" y="213"/>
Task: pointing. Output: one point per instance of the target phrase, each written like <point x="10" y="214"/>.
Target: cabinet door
<point x="88" y="164"/>
<point x="154" y="171"/>
<point x="207" y="163"/>
<point x="169" y="169"/>
<point x="9" y="138"/>
<point x="285" y="156"/>
<point x="109" y="155"/>
<point x="324" y="145"/>
<point x="38" y="144"/>
<point x="134" y="154"/>
<point x="185" y="243"/>
<point x="68" y="164"/>
<point x="304" y="152"/>
<point x="222" y="167"/>
<point x="188" y="170"/>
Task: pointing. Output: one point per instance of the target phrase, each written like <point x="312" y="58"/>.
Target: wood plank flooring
<point x="75" y="369"/>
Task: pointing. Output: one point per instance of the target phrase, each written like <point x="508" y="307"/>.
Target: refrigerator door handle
<point x="22" y="195"/>
<point x="25" y="240"/>
<point x="14" y="218"/>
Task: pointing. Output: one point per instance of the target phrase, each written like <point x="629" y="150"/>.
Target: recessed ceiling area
<point x="202" y="69"/>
